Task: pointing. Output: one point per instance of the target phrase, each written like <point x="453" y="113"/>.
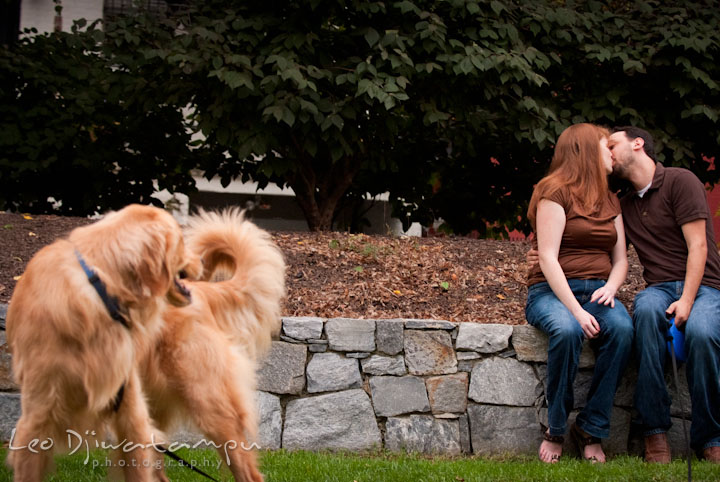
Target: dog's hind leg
<point x="138" y="454"/>
<point x="227" y="423"/>
<point x="220" y="396"/>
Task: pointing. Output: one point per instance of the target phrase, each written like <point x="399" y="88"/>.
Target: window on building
<point x="114" y="8"/>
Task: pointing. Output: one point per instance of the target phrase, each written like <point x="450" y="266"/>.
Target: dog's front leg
<point x="138" y="454"/>
<point x="29" y="463"/>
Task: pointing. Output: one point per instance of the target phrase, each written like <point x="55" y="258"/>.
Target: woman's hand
<point x="588" y="323"/>
<point x="604" y="295"/>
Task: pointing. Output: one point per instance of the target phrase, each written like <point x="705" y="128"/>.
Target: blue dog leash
<point x="676" y="345"/>
<point x="185" y="463"/>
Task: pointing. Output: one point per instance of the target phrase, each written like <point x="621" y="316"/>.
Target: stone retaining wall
<point x="425" y="386"/>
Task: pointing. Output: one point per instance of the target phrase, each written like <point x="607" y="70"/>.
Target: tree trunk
<point x="317" y="218"/>
<point x="318" y="193"/>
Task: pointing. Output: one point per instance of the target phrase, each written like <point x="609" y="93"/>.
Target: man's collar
<point x="658" y="177"/>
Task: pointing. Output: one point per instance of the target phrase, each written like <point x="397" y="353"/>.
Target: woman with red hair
<point x="580" y="241"/>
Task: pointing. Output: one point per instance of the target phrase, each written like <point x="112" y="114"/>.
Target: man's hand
<point x="681" y="310"/>
<point x="532" y="257"/>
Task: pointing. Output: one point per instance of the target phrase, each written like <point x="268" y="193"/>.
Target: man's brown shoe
<point x="712" y="454"/>
<point x="657" y="449"/>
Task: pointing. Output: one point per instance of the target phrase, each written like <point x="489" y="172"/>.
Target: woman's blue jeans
<point x="702" y="345"/>
<point x="546" y="312"/>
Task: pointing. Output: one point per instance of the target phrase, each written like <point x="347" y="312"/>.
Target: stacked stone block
<point x="426" y="386"/>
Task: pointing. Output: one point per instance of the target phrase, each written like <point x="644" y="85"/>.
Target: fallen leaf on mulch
<point x="358" y="276"/>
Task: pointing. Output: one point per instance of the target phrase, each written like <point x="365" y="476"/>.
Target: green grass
<point x="281" y="466"/>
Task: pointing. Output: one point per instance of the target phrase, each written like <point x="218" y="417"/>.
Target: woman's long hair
<point x="577" y="166"/>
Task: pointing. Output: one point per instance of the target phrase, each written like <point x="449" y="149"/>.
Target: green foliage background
<point x="452" y="106"/>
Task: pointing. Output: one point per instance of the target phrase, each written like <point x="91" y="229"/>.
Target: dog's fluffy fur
<point x="70" y="357"/>
<point x="203" y="367"/>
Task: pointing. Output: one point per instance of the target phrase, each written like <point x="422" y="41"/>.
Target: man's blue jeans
<point x="546" y="312"/>
<point x="702" y="345"/>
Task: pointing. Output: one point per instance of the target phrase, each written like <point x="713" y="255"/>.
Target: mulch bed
<point x="336" y="274"/>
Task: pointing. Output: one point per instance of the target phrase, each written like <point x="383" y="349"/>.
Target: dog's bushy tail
<point x="244" y="271"/>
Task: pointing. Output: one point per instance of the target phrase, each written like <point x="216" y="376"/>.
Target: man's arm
<point x="694" y="233"/>
<point x="532" y="257"/>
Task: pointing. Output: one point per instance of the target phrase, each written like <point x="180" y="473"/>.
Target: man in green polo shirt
<point x="668" y="221"/>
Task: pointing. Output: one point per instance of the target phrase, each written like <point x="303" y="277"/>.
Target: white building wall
<point x="41" y="13"/>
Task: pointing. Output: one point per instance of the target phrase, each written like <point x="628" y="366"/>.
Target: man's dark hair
<point x="632" y="132"/>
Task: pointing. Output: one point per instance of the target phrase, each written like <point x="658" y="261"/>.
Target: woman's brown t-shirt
<point x="587" y="241"/>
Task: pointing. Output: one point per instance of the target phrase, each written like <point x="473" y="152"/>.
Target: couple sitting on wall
<point x="580" y="261"/>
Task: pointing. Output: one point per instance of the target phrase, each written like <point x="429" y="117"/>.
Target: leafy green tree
<point x="78" y="134"/>
<point x="652" y="64"/>
<point x="332" y="97"/>
<point x="499" y="122"/>
<point x="452" y="106"/>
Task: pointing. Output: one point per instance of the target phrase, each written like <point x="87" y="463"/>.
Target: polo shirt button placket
<point x="644" y="204"/>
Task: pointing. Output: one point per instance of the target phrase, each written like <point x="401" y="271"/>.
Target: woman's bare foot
<point x="589" y="446"/>
<point x="594" y="453"/>
<point x="550" y="448"/>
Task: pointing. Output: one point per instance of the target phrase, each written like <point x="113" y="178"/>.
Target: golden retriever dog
<point x="203" y="367"/>
<point x="83" y="312"/>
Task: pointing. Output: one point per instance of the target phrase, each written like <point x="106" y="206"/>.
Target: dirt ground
<point x="356" y="276"/>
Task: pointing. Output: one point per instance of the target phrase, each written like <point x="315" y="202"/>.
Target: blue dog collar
<point x="110" y="302"/>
